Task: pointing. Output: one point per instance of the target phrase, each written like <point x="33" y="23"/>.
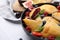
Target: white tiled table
<point x="8" y="30"/>
<point x="11" y="31"/>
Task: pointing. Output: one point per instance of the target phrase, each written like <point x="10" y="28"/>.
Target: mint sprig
<point x="57" y="38"/>
<point x="39" y="29"/>
<point x="41" y="12"/>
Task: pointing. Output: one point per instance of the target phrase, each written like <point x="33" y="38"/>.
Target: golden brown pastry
<point x="41" y="1"/>
<point x="34" y="24"/>
<point x="56" y="15"/>
<point x="51" y="28"/>
<point x="50" y="19"/>
<point x="48" y="8"/>
<point x="17" y="7"/>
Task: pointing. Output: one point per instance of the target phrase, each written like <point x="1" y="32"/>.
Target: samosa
<point x="51" y="28"/>
<point x="34" y="24"/>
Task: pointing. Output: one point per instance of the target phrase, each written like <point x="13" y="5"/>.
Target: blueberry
<point x="44" y="22"/>
<point x="42" y="16"/>
<point x="57" y="3"/>
<point x="49" y="14"/>
<point x="59" y="24"/>
<point x="20" y="39"/>
<point x="18" y="14"/>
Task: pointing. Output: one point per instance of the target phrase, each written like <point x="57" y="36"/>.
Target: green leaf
<point x="38" y="15"/>
<point x="39" y="29"/>
<point x="57" y="38"/>
<point x="41" y="12"/>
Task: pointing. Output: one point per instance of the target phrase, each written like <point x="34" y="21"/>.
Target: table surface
<point x="11" y="31"/>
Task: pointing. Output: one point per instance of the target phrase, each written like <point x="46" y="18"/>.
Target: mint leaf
<point x="41" y="12"/>
<point x="39" y="29"/>
<point x="38" y="15"/>
<point x="57" y="38"/>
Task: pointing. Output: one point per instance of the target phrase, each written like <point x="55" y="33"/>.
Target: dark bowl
<point x="24" y="26"/>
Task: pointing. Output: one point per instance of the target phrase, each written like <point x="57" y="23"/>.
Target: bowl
<point x="24" y="26"/>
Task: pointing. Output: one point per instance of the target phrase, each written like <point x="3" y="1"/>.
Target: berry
<point x="27" y="13"/>
<point x="42" y="16"/>
<point x="51" y="38"/>
<point x="44" y="22"/>
<point x="45" y="13"/>
<point x="20" y="39"/>
<point x="49" y="14"/>
<point x="18" y="15"/>
<point x="38" y="34"/>
<point x="28" y="29"/>
<point x="58" y="10"/>
<point x="58" y="7"/>
<point x="57" y="3"/>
